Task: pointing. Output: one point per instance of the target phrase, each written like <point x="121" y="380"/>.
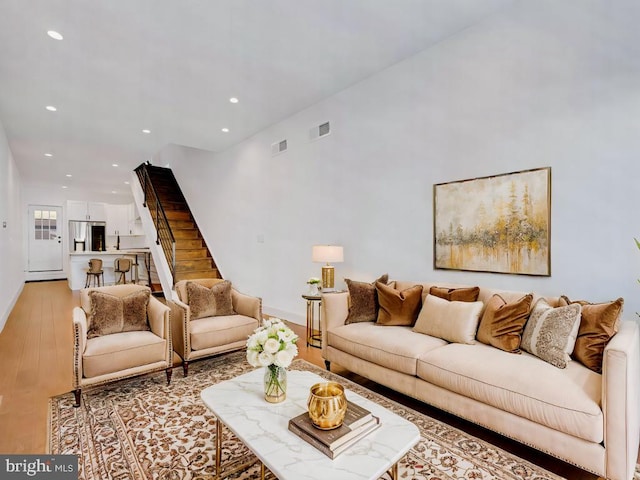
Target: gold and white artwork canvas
<point x="496" y="224"/>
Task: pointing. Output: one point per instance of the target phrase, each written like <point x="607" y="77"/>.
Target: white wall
<point x="544" y="84"/>
<point x="11" y="272"/>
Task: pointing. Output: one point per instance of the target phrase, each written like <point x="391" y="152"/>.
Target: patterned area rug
<point x="143" y="429"/>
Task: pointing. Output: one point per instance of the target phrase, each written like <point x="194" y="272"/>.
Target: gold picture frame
<point x="498" y="224"/>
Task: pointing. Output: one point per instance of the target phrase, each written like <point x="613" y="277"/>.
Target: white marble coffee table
<point x="263" y="427"/>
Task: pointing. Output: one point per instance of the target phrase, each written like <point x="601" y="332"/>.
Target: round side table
<point x="314" y="336"/>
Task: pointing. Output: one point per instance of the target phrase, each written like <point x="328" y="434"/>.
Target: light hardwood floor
<point x="36" y="364"/>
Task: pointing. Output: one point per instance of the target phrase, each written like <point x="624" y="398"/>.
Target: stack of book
<point x="358" y="422"/>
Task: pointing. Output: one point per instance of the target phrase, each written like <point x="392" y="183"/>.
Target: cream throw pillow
<point x="455" y="321"/>
<point x="550" y="333"/>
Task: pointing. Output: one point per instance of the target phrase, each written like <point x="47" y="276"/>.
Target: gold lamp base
<point x="328" y="277"/>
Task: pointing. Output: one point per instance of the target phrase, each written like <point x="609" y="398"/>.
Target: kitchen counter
<point x="79" y="264"/>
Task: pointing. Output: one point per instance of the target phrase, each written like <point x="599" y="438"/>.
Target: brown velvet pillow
<point x="363" y="300"/>
<point x="398" y="307"/>
<point x="599" y="322"/>
<point x="112" y="314"/>
<point x="502" y="323"/>
<point x="469" y="294"/>
<point x="210" y="302"/>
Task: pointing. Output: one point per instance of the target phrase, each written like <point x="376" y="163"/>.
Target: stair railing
<point x="164" y="235"/>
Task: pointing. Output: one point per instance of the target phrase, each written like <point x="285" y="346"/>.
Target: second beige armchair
<point x="209" y="316"/>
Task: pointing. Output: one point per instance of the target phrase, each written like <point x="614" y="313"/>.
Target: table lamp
<point x="328" y="254"/>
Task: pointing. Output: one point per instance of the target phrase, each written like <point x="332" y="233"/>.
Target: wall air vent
<point x="278" y="147"/>
<point x="320" y="131"/>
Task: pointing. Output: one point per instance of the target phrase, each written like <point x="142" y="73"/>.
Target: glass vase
<point x="313" y="289"/>
<point x="275" y="384"/>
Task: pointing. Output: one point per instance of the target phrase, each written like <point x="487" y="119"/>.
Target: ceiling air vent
<point x="320" y="131"/>
<point x="278" y="147"/>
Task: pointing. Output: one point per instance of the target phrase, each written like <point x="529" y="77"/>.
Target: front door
<point x="45" y="238"/>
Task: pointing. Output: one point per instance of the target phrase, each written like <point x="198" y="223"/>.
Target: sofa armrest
<point x="620" y="399"/>
<point x="180" y="318"/>
<point x="247" y="305"/>
<point x="335" y="309"/>
<point x="158" y="314"/>
<point x="160" y="323"/>
<point x="79" y="343"/>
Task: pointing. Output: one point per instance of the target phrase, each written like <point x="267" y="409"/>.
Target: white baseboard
<point x="12" y="303"/>
<point x="284" y="315"/>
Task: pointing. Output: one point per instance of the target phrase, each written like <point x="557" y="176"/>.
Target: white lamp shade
<point x="327" y="253"/>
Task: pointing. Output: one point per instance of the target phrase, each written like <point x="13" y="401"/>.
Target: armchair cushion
<point x="210" y="302"/>
<point x="120" y="351"/>
<point x="114" y="314"/>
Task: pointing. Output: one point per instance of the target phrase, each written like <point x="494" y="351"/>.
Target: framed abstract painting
<point x="499" y="224"/>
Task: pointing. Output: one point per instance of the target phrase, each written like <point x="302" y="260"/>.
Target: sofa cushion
<point x="209" y="302"/>
<point x="566" y="400"/>
<point x="550" y="333"/>
<point x="460" y="294"/>
<point x="599" y="322"/>
<point x="503" y="322"/>
<point x="394" y="347"/>
<point x="215" y="331"/>
<point x="119" y="351"/>
<point x="452" y="321"/>
<point x="114" y="314"/>
<point x="363" y="300"/>
<point x="398" y="307"/>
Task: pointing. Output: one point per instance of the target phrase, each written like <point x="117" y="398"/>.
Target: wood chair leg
<point x="76" y="394"/>
<point x="169" y="373"/>
<point x="185" y="368"/>
<point x="327" y="365"/>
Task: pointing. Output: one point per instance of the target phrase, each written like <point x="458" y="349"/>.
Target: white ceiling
<point x="171" y="66"/>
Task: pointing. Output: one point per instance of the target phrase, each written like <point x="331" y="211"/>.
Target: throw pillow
<point x="469" y="294"/>
<point x="106" y="314"/>
<point x="550" y="333"/>
<point x="363" y="300"/>
<point x="210" y="302"/>
<point x="452" y="321"/>
<point x="398" y="307"/>
<point x="502" y="323"/>
<point x="134" y="311"/>
<point x="113" y="314"/>
<point x="599" y="322"/>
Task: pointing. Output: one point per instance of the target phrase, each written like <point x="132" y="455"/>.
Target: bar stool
<point x="95" y="272"/>
<point x="121" y="266"/>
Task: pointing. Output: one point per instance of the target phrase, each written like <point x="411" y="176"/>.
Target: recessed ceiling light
<point x="64" y="186"/>
<point x="68" y="175"/>
<point x="51" y="108"/>
<point x="225" y="130"/>
<point x="113" y="191"/>
<point x="55" y="35"/>
<point x="114" y="164"/>
<point x="234" y="100"/>
<point x="146" y="130"/>
<point x="48" y="154"/>
<point x="126" y="183"/>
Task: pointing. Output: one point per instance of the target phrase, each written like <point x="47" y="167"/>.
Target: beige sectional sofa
<point x="585" y="418"/>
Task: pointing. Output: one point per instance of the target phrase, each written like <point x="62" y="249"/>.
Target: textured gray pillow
<point x="363" y="299"/>
<point x="550" y="333"/>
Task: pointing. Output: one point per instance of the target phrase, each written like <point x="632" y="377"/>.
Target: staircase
<point x="176" y="231"/>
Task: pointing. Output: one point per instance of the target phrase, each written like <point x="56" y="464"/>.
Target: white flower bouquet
<point x="273" y="346"/>
<point x="273" y="343"/>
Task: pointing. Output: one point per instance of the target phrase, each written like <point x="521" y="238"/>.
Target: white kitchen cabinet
<point x="117" y="220"/>
<point x="89" y="211"/>
<point x="135" y="223"/>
